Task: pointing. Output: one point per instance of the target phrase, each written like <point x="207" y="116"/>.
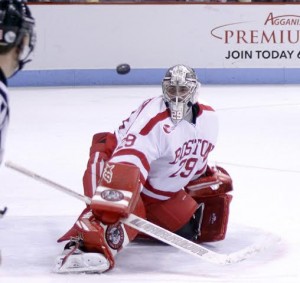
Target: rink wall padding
<point x="153" y="77"/>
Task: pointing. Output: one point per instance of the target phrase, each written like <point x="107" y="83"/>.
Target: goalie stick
<point x="155" y="231"/>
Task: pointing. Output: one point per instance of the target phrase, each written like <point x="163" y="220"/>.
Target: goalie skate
<point x="74" y="260"/>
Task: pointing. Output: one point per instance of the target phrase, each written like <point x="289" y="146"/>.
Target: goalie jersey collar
<point x="195" y="111"/>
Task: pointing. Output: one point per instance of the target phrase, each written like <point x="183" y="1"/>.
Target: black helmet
<point x="16" y="22"/>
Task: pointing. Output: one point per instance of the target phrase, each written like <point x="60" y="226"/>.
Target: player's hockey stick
<point x="155" y="231"/>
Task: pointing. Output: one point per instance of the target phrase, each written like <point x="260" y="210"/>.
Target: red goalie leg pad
<point x="93" y="234"/>
<point x="215" y="217"/>
<point x="118" y="192"/>
<point x="211" y="190"/>
<point x="170" y="214"/>
<point x="98" y="237"/>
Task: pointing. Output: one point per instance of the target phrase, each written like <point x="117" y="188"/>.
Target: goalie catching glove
<point x="215" y="181"/>
<point x="117" y="193"/>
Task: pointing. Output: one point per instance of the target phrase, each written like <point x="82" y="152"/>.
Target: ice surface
<point x="50" y="133"/>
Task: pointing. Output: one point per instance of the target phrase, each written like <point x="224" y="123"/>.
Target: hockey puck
<point x="2" y="212"/>
<point x="123" y="69"/>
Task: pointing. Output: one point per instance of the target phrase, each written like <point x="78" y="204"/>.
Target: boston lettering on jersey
<point x="197" y="147"/>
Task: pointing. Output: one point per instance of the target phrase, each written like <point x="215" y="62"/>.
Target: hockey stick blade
<point x="155" y="231"/>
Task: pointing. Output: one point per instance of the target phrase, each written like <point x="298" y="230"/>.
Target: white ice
<point x="50" y="133"/>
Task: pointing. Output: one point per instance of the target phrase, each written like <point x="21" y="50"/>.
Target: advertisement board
<point x="234" y="44"/>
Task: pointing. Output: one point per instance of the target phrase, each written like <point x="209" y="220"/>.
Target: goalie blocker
<point x="118" y="192"/>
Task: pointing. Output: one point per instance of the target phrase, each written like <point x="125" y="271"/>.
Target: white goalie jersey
<point x="168" y="155"/>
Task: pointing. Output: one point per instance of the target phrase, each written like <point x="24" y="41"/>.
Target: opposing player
<point x="155" y="166"/>
<point x="17" y="40"/>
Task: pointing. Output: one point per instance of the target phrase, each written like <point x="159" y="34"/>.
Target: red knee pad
<point x="170" y="214"/>
<point x="93" y="234"/>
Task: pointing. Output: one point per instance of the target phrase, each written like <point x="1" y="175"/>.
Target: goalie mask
<point x="16" y="29"/>
<point x="179" y="91"/>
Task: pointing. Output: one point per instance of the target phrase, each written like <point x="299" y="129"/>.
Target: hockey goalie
<point x="155" y="165"/>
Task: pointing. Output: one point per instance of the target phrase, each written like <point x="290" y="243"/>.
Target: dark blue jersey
<point x="4" y="112"/>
